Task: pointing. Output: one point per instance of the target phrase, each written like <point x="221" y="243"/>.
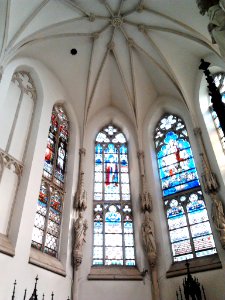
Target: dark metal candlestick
<point x="216" y="98"/>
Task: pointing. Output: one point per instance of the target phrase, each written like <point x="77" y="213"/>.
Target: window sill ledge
<point x="114" y="273"/>
<point x="207" y="263"/>
<point x="46" y="261"/>
<point x="5" y="245"/>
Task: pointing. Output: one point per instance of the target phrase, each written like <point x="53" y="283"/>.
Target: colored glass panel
<point x="113" y="227"/>
<point x="189" y="228"/>
<point x="47" y="225"/>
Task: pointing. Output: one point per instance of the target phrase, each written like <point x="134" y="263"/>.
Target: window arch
<point x="188" y="224"/>
<point x="16" y="120"/>
<point x="47" y="224"/>
<point x="113" y="220"/>
<point x="219" y="79"/>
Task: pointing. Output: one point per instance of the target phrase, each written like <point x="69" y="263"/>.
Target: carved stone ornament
<point x="80" y="228"/>
<point x="10" y="162"/>
<point x="81" y="195"/>
<point x="218" y="217"/>
<point x="209" y="179"/>
<point x="146" y="201"/>
<point x="215" y="10"/>
<point x="148" y="236"/>
<point x="25" y="82"/>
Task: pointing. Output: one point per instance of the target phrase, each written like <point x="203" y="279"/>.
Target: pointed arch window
<point x="219" y="79"/>
<point x="48" y="218"/>
<point x="113" y="220"/>
<point x="188" y="224"/>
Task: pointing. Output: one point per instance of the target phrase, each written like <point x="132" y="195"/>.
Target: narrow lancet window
<point x="47" y="225"/>
<point x="188" y="224"/>
<point x="113" y="220"/>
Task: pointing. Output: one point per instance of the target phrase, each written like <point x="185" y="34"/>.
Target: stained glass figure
<point x="113" y="221"/>
<point x="188" y="224"/>
<point x="219" y="80"/>
<point x="46" y="232"/>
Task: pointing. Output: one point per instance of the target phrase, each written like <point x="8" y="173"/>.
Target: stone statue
<point x="215" y="10"/>
<point x="218" y="218"/>
<point x="148" y="236"/>
<point x="80" y="228"/>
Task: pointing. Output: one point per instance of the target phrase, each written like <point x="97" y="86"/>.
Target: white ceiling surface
<point x="125" y="65"/>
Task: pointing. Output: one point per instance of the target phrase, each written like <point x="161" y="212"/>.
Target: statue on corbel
<point x="148" y="235"/>
<point x="215" y="10"/>
<point x="80" y="227"/>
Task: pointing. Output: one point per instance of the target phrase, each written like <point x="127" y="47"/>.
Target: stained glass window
<point x="188" y="224"/>
<point x="46" y="232"/>
<point x="113" y="221"/>
<point x="219" y="79"/>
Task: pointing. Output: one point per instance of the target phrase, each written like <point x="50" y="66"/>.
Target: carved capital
<point x="111" y="45"/>
<point x="82" y="151"/>
<point x="91" y="17"/>
<point x="197" y="131"/>
<point x="141" y="154"/>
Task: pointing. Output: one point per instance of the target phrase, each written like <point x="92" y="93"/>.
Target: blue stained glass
<point x="195" y="205"/>
<point x="111" y="149"/>
<point x="182" y="187"/>
<point x="175" y="211"/>
<point x="98" y="149"/>
<point x="98" y="159"/>
<point x="128" y="227"/>
<point x="130" y="262"/>
<point x="113" y="221"/>
<point x="112" y="189"/>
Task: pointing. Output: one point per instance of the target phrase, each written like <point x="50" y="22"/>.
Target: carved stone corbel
<point x="145" y="196"/>
<point x="80" y="201"/>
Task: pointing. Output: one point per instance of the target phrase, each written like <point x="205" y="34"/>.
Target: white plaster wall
<point x="8" y="112"/>
<point x="49" y="91"/>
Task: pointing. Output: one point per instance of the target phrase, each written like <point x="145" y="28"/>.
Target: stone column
<point x="79" y="226"/>
<point x="148" y="232"/>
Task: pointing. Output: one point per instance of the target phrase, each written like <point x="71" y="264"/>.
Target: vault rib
<point x="87" y="88"/>
<point x="77" y="7"/>
<point x="120" y="7"/>
<point x="108" y="7"/>
<point x="96" y="82"/>
<point x="160" y="67"/>
<point x="27" y="22"/>
<point x="203" y="41"/>
<point x="165" y="61"/>
<point x="6" y="28"/>
<point x="129" y="97"/>
<point x="133" y="82"/>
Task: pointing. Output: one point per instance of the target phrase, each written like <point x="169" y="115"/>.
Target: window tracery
<point x="113" y="220"/>
<point x="188" y="224"/>
<point x="47" y="225"/>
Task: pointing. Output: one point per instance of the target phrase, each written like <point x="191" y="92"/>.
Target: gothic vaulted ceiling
<point x="129" y="52"/>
